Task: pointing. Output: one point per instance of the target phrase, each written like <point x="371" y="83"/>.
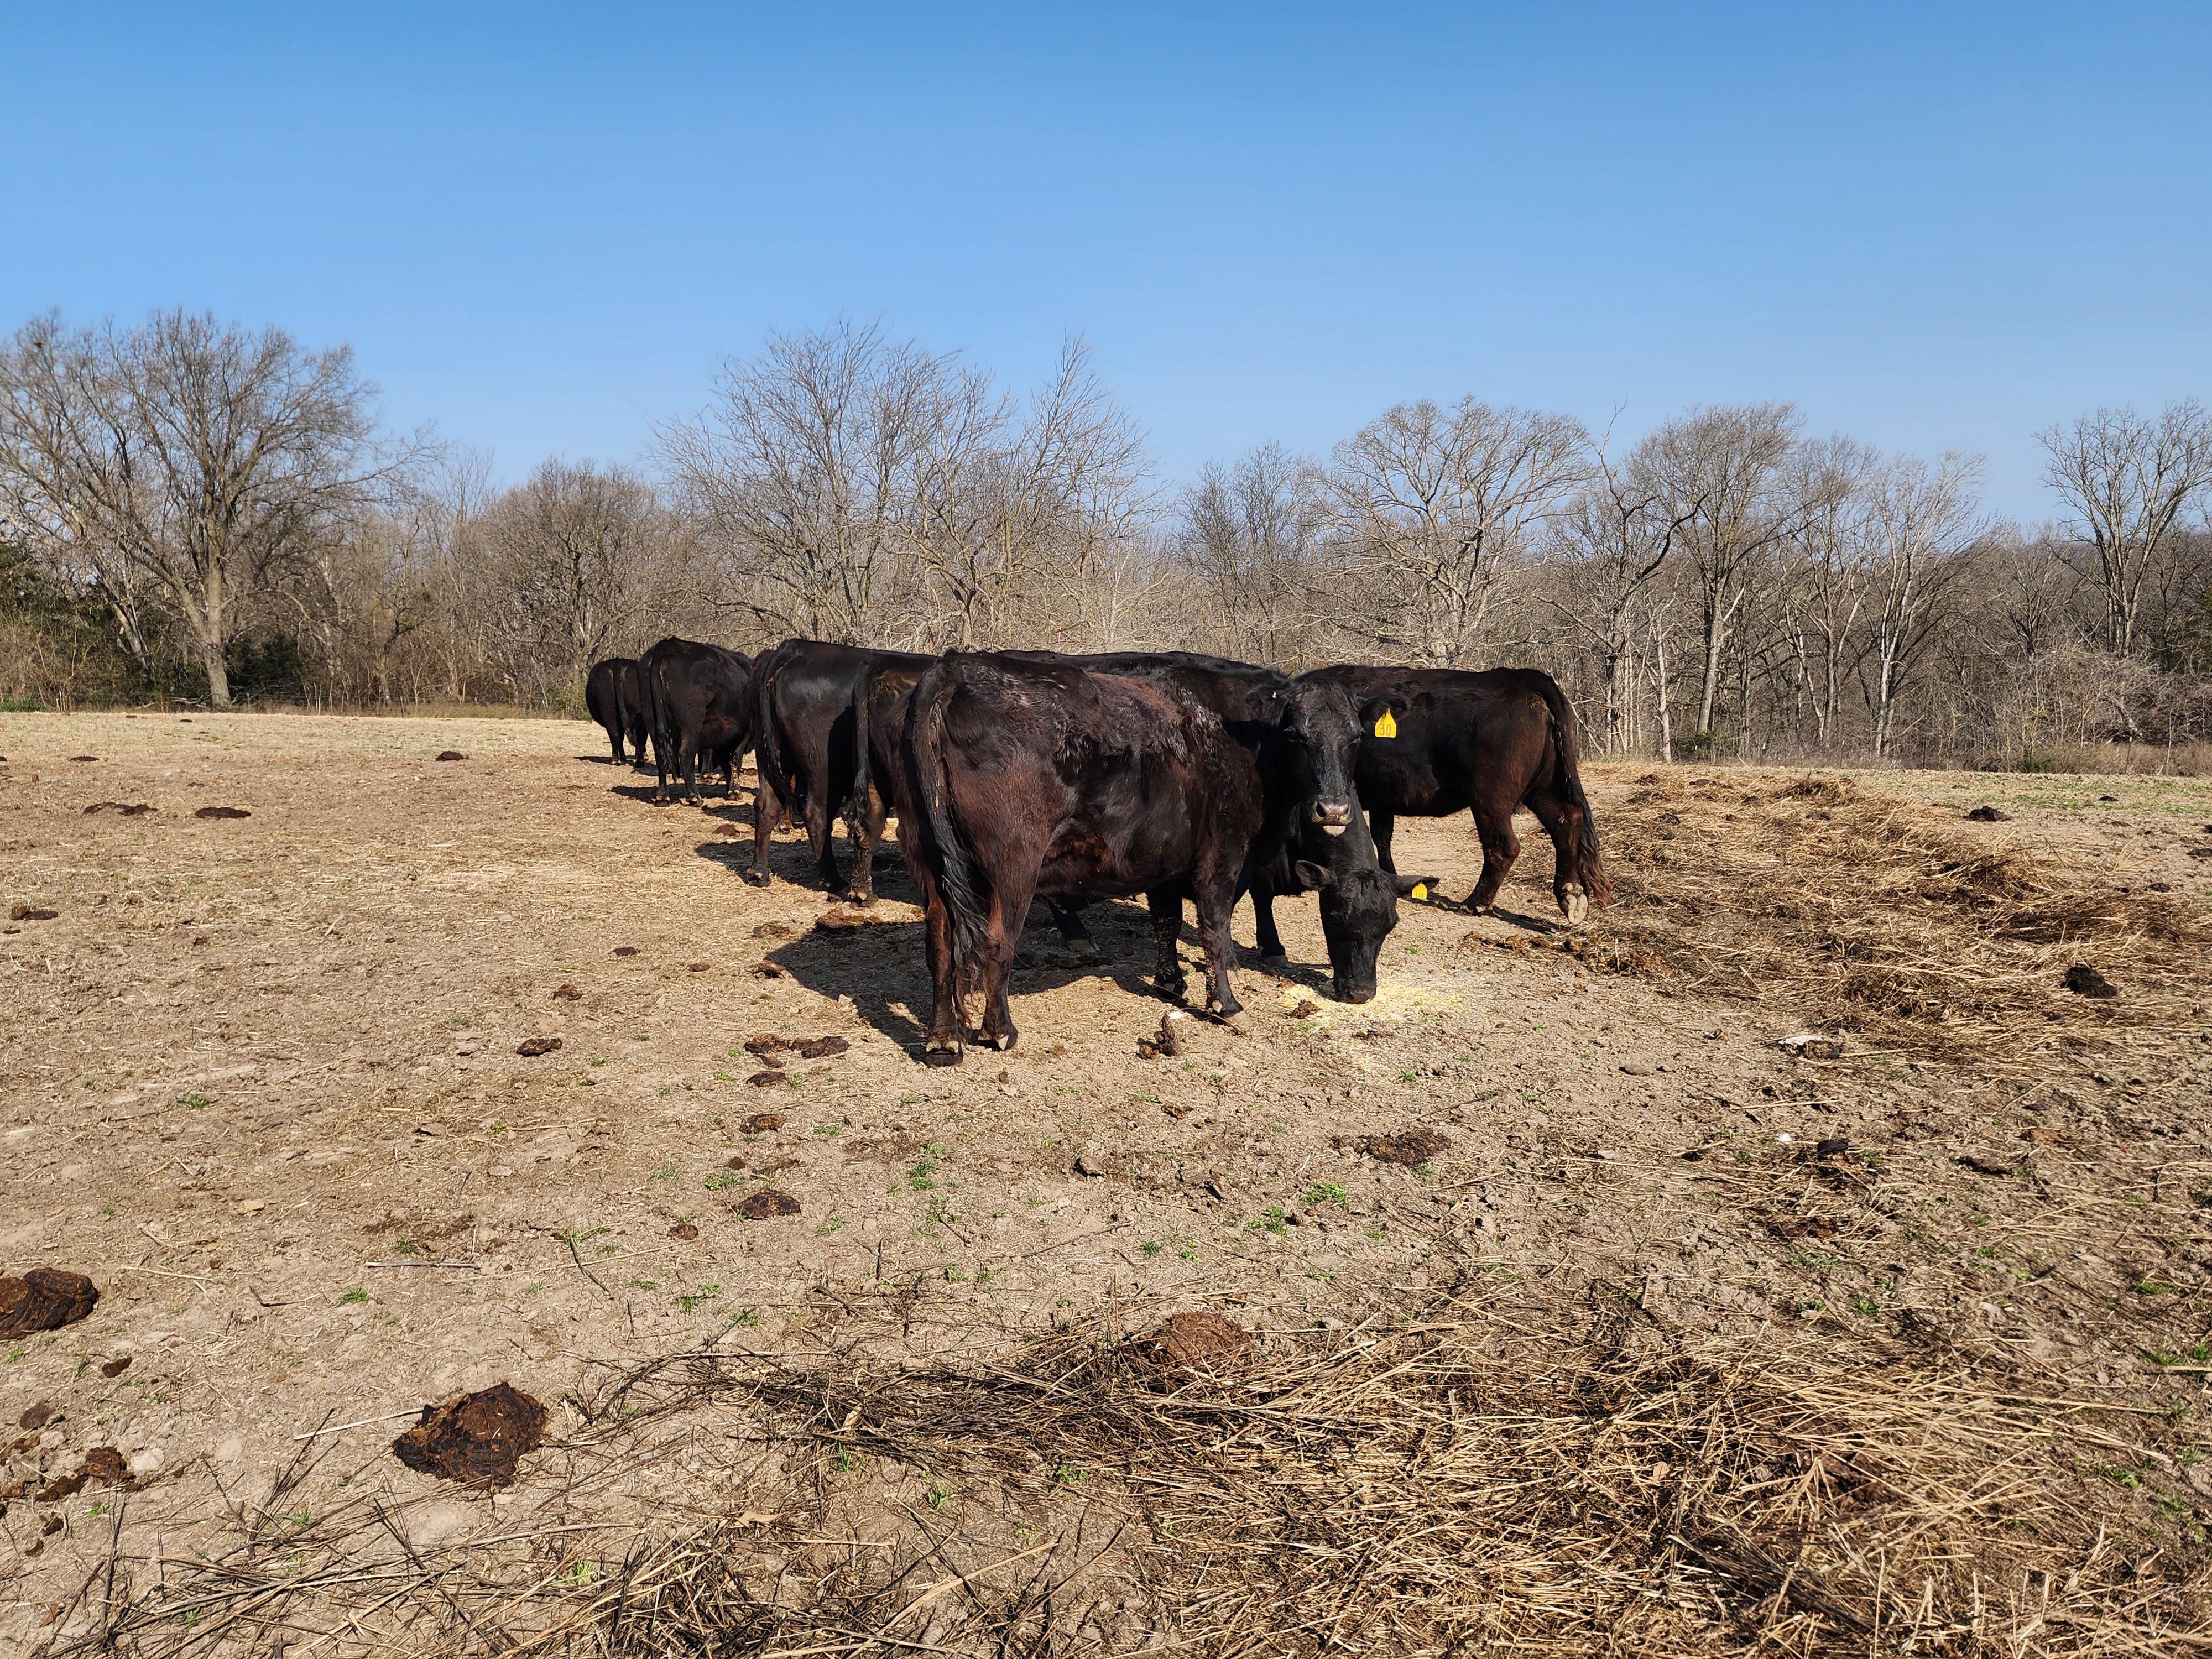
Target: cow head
<point x="1358" y="908"/>
<point x="1320" y="741"/>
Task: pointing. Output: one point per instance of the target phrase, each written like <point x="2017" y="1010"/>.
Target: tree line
<point x="195" y="512"/>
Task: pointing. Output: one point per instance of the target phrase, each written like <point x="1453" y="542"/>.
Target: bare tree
<point x="184" y="459"/>
<point x="2132" y="482"/>
<point x="802" y="473"/>
<point x="1615" y="537"/>
<point x="1247" y="530"/>
<point x="1727" y="460"/>
<point x="1431" y="505"/>
<point x="1921" y="520"/>
<point x="1823" y="589"/>
<point x="573" y="556"/>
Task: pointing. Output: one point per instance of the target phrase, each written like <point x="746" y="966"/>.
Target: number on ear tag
<point x="1387" y="726"/>
<point x="1420" y="889"/>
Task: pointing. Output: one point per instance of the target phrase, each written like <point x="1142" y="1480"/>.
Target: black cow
<point x="1021" y="780"/>
<point x="805" y="694"/>
<point x="1490" y="742"/>
<point x="1304" y="737"/>
<point x="701" y="704"/>
<point x="614" y="695"/>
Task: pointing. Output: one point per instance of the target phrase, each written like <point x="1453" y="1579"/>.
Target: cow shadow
<point x="881" y="966"/>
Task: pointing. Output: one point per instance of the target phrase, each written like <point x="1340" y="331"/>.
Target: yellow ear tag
<point x="1420" y="889"/>
<point x="1387" y="726"/>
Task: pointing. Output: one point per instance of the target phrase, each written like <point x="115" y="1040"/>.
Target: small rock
<point x="1632" y="1069"/>
<point x="698" y="967"/>
<point x="451" y="754"/>
<point x="765" y="971"/>
<point x="1175" y="1108"/>
<point x="1835" y="1147"/>
<point x="538" y="1045"/>
<point x="249" y="1206"/>
<point x="115" y="1367"/>
<point x="771" y="930"/>
<point x="230" y="1451"/>
<point x="37" y="1416"/>
<point x="1087" y="1165"/>
<point x="146" y="1461"/>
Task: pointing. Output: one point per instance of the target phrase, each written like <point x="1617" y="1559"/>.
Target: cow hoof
<point x="1574" y="905"/>
<point x="757" y="877"/>
<point x="937" y="1056"/>
<point x="1087" y="949"/>
<point x="1277" y="957"/>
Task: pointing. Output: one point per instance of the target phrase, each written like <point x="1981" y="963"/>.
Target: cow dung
<point x="118" y="806"/>
<point x="222" y="812"/>
<point x="1412" y="1149"/>
<point x="625" y="950"/>
<point x="536" y="1045"/>
<point x="451" y="754"/>
<point x="107" y="1465"/>
<point x="2083" y="981"/>
<point x="27" y="913"/>
<point x="684" y="1230"/>
<point x="115" y="1367"/>
<point x="735" y="1163"/>
<point x="767" y="1203"/>
<point x="771" y="930"/>
<point x="761" y="1123"/>
<point x="700" y="967"/>
<point x="36" y="1417"/>
<point x="84" y="757"/>
<point x="823" y="1048"/>
<point x="761" y="1047"/>
<point x="1307" y="1009"/>
<point x="1175" y="1108"/>
<point x="567" y="994"/>
<point x="44" y="1299"/>
<point x="767" y="1079"/>
<point x="474" y="1438"/>
<point x="766" y="970"/>
<point x="1987" y="815"/>
<point x="1196" y="1342"/>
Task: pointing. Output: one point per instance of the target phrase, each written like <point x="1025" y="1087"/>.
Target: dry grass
<point x="1536" y="1464"/>
<point x="1885" y="916"/>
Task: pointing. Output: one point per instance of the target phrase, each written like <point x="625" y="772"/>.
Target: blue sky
<point x="1933" y="226"/>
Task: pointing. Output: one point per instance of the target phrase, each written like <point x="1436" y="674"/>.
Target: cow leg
<point x="864" y="828"/>
<point x="1073" y="935"/>
<point x="1382" y="826"/>
<point x="1564" y="824"/>
<point x="820" y="826"/>
<point x="1263" y="914"/>
<point x="1010" y="911"/>
<point x="614" y="736"/>
<point x="1215" y="906"/>
<point x="767" y="813"/>
<point x="1500" y="847"/>
<point x="1167" y="931"/>
<point x="942" y="1046"/>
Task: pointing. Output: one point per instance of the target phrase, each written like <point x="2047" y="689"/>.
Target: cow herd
<point x="1023" y="775"/>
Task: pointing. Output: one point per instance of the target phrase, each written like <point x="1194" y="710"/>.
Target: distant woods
<point x="190" y="511"/>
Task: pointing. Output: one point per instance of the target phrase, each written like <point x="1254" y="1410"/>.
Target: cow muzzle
<point x="1335" y="817"/>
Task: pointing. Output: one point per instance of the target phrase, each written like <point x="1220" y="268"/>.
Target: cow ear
<point x="1312" y="877"/>
<point x="1417" y="886"/>
<point x="1380" y="715"/>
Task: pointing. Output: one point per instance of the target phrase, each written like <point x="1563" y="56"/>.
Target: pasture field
<point x="1571" y="1310"/>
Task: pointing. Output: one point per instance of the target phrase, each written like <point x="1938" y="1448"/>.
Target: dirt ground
<point x="259" y="1078"/>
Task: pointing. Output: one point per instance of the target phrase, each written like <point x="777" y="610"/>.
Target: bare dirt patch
<point x="1679" y="1338"/>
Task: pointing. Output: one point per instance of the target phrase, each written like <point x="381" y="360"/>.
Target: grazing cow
<point x="805" y="697"/>
<point x="1024" y="779"/>
<point x="614" y="695"/>
<point x="1304" y="737"/>
<point x="700" y="698"/>
<point x="1490" y="742"/>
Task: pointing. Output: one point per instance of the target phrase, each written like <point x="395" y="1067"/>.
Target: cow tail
<point x="958" y="881"/>
<point x="766" y="753"/>
<point x="1567" y="783"/>
<point x="656" y="713"/>
<point x="856" y="809"/>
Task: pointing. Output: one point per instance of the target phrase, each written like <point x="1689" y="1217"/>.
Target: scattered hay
<point x="1844" y="908"/>
<point x="1493" y="1468"/>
